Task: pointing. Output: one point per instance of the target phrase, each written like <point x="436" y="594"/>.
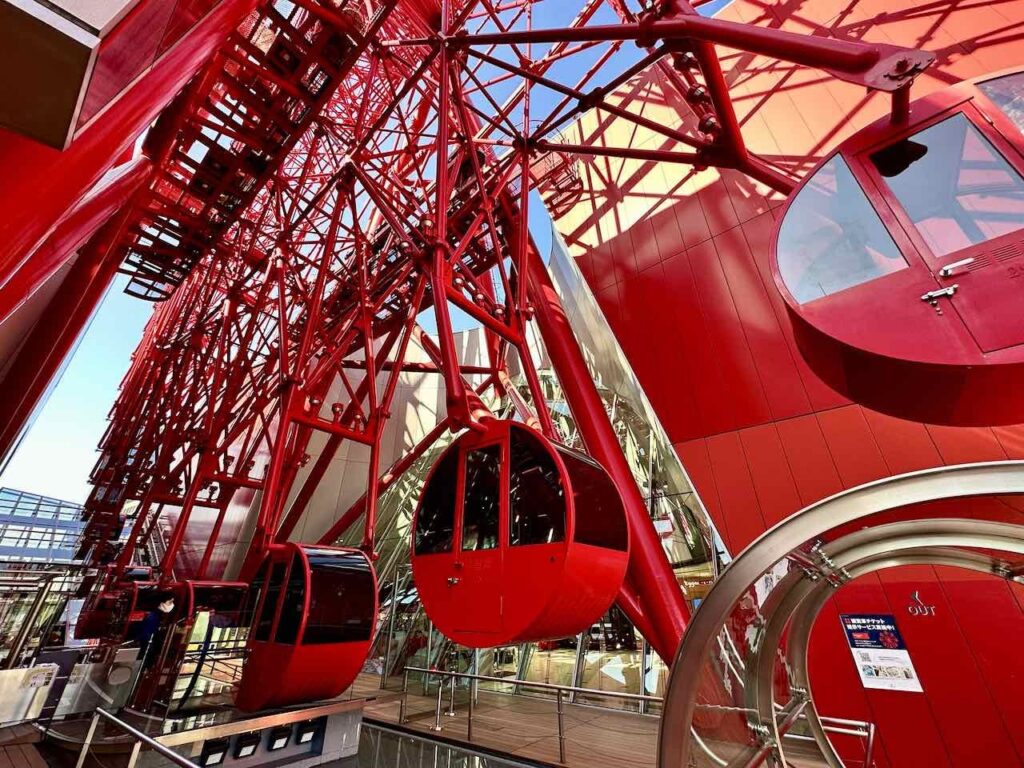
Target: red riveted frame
<point x="365" y="170"/>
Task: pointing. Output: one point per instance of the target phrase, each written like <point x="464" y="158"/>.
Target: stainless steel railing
<point x="42" y="581"/>
<point x="840" y="726"/>
<point x="560" y="691"/>
<point x="788" y="716"/>
<point x="140" y="740"/>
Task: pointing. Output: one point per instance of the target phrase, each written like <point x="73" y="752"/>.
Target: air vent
<point x="1009" y="251"/>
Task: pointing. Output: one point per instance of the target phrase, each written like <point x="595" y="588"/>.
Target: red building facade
<point x="679" y="262"/>
<point x="677" y="256"/>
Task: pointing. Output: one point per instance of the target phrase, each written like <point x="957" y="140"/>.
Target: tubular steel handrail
<point x="43" y="583"/>
<point x="829" y="561"/>
<point x="860" y="728"/>
<point x="140" y="739"/>
<point x="474" y="678"/>
<point x="533" y="684"/>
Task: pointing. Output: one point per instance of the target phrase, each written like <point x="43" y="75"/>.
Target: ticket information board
<point x="879" y="653"/>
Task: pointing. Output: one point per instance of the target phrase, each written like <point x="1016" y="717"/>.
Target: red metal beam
<point x="56" y="332"/>
<point x="887" y="67"/>
<point x="386" y="480"/>
<point x="81" y="222"/>
<point x="390" y="199"/>
<point x="657" y="591"/>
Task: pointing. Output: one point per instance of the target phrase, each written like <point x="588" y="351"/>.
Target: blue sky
<point x="59" y="450"/>
<point x="57" y="454"/>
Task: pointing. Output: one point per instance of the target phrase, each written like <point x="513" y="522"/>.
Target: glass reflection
<point x="294" y="602"/>
<point x="831" y="238"/>
<point x="955" y="187"/>
<point x="270" y="601"/>
<point x="435" y="525"/>
<point x="610" y="660"/>
<point x="536" y="496"/>
<point x="600" y="520"/>
<point x="1007" y="93"/>
<point x="340" y="600"/>
<point x="481" y="500"/>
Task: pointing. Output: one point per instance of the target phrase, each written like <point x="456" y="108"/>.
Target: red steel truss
<point x="334" y="173"/>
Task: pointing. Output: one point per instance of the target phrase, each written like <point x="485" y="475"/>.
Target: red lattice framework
<point x="339" y="169"/>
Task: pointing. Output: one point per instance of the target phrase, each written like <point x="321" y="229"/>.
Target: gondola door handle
<point x="453" y="580"/>
<point x="932" y="297"/>
<point x="949" y="269"/>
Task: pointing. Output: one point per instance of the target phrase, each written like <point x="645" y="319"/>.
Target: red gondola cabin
<point x="901" y="259"/>
<point x="314" y="609"/>
<point x="517" y="539"/>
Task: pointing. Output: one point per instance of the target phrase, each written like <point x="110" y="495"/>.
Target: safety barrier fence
<point x="560" y="692"/>
<point x="140" y="739"/>
<point x="40" y="583"/>
<point x="106" y="731"/>
<point x="788" y="717"/>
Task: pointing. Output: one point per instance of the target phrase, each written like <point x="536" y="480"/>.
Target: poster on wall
<point x="72" y="612"/>
<point x="882" y="660"/>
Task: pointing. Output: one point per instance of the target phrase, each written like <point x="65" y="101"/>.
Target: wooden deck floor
<point x="525" y="727"/>
<point x="22" y="733"/>
<point x="21" y="756"/>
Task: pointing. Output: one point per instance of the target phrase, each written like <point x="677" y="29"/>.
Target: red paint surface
<point x="98" y="206"/>
<point x="40" y="183"/>
<point x="960" y="361"/>
<point x="761" y="435"/>
<point x="149" y="29"/>
<point x="519" y="593"/>
<point x="49" y="341"/>
<point x="277" y="674"/>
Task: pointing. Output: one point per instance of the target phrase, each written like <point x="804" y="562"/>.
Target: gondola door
<point x="482" y="527"/>
<point x="434" y="539"/>
<point x="961" y="201"/>
<point x="270" y="603"/>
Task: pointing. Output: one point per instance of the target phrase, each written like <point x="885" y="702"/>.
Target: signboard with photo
<point x="882" y="659"/>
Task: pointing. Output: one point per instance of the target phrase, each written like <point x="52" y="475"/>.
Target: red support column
<point x="61" y="324"/>
<point x="40" y="183"/>
<point x="393" y="472"/>
<point x="657" y="591"/>
<point x="99" y="205"/>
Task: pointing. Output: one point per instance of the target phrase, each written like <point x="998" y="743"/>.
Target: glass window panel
<point x="341" y="598"/>
<point x="253" y="597"/>
<point x="552" y="662"/>
<point x="831" y="238"/>
<point x="1007" y="93"/>
<point x="955" y="187"/>
<point x="435" y="522"/>
<point x="612" y="660"/>
<point x="600" y="519"/>
<point x="294" y="604"/>
<point x="266" y="619"/>
<point x="536" y="493"/>
<point x="481" y="500"/>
